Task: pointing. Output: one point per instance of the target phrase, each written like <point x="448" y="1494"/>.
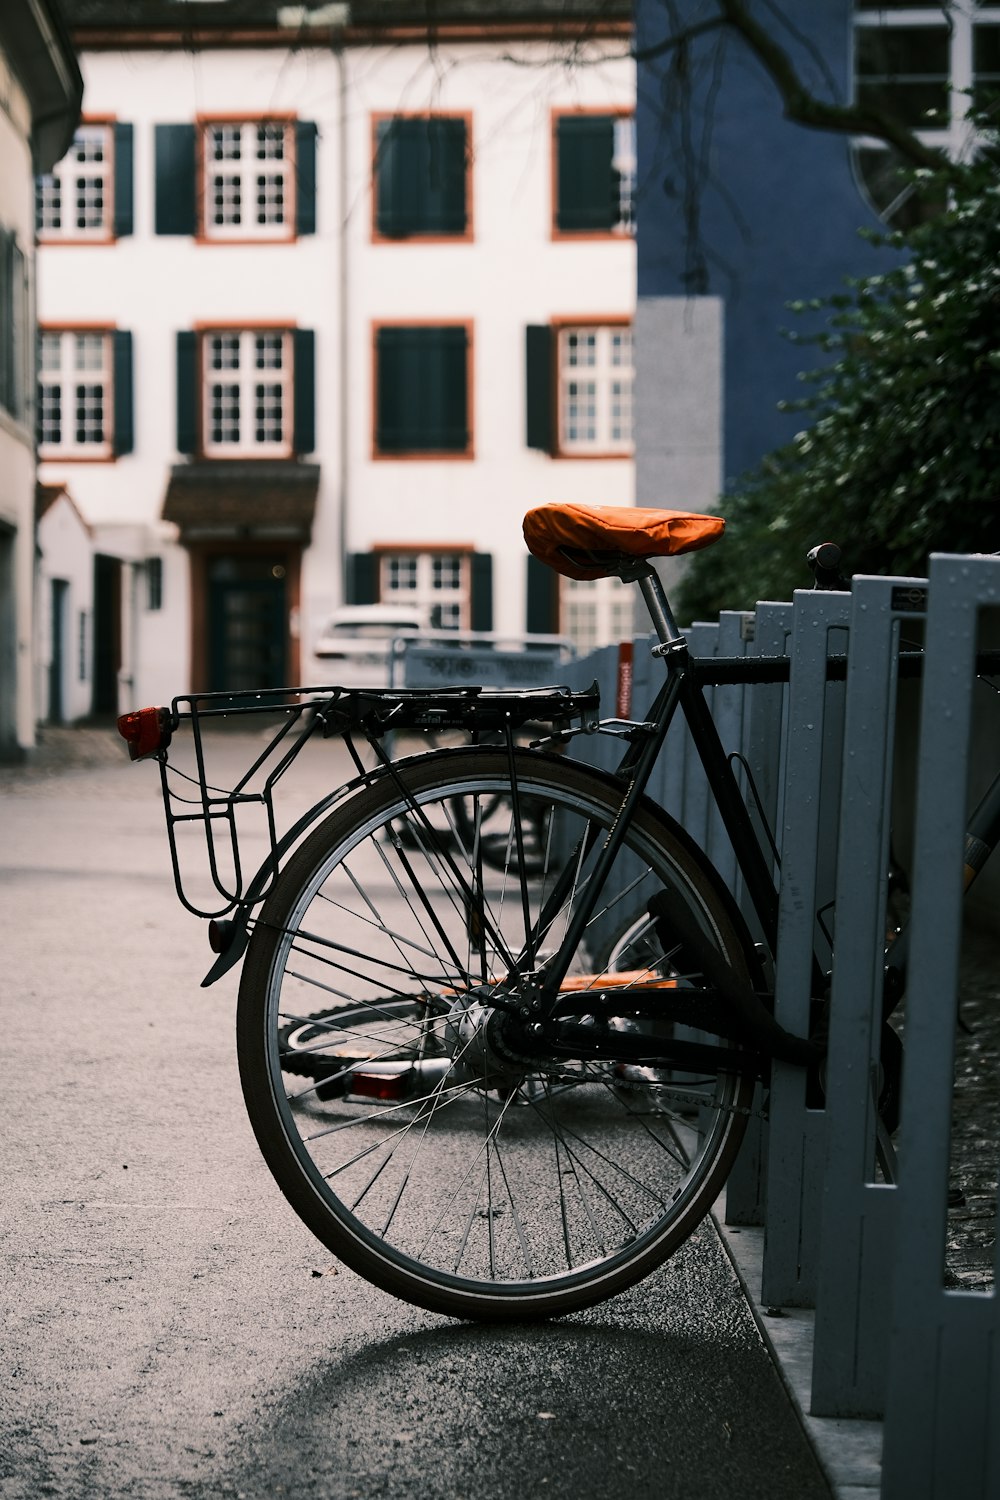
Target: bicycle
<point x="501" y="1060"/>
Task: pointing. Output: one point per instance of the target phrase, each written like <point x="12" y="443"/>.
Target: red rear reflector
<point x="146" y="731"/>
<point x="380" y="1085"/>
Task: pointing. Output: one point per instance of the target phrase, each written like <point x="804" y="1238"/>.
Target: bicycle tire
<point x="488" y="1195"/>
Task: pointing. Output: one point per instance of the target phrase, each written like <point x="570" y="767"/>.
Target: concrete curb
<point x="848" y="1451"/>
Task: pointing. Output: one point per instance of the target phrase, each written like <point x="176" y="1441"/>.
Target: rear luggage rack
<point x="365" y="720"/>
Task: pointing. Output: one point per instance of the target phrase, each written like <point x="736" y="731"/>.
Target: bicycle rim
<point x="458" y="1179"/>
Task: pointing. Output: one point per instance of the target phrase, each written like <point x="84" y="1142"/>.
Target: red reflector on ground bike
<point x="381" y="1083"/>
<point x="146" y="731"/>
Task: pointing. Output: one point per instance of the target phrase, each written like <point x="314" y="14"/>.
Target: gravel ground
<point x="976" y="1117"/>
<point x="975" y="1144"/>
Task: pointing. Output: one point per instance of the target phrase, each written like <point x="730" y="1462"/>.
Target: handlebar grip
<point x="825" y="560"/>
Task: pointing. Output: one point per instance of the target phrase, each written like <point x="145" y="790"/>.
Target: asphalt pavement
<point x="171" y="1329"/>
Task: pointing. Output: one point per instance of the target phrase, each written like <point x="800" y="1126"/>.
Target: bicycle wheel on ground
<point x="435" y="1161"/>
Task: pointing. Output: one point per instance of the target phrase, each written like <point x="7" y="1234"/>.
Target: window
<point x="595" y="157"/>
<point x="88" y="194"/>
<point x="247" y="181"/>
<point x="236" y="179"/>
<point x="912" y="60"/>
<point x="246" y="384"/>
<point x="84" y="392"/>
<point x="422" y="389"/>
<point x="421" y="172"/>
<point x="246" y="392"/>
<point x="438" y="582"/>
<point x="595" y="389"/>
<point x="598" y="612"/>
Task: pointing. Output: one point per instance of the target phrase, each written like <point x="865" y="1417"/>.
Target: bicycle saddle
<point x="590" y="541"/>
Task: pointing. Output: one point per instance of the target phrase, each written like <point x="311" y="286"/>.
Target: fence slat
<point x="796" y="1137"/>
<point x="942" y="1428"/>
<point x="851" y="1306"/>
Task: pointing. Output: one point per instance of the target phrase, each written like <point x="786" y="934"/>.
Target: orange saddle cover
<point x="628" y="530"/>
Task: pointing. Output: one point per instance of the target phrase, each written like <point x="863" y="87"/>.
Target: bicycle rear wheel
<point x="436" y="1164"/>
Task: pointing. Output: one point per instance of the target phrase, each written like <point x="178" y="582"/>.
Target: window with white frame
<point x="75" y="393"/>
<point x="595" y="612"/>
<point x="596" y="376"/>
<point x="437" y="582"/>
<point x="75" y="200"/>
<point x="247" y="169"/>
<point x="926" y="63"/>
<point x="247" y="385"/>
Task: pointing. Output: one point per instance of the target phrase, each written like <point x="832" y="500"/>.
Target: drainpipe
<point x="343" y="430"/>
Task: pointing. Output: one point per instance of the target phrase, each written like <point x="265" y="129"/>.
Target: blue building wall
<point x="737" y="202"/>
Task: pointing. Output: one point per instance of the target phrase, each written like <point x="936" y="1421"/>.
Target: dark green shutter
<point x="8" y="397"/>
<point x="123" y="180"/>
<point x="542" y="616"/>
<point x="305" y="177"/>
<point x="587" y="182"/>
<point x="421" y="177"/>
<point x="539" y="388"/>
<point x="482" y="591"/>
<point x="187" y="393"/>
<point x="124" y="438"/>
<point x="304" y="398"/>
<point x="175" y="179"/>
<point x="361" y="580"/>
<point x="422" y="390"/>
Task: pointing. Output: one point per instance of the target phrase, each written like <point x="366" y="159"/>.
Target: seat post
<point x="655" y="596"/>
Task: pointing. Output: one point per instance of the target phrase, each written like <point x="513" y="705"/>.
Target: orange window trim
<point x="202" y="330"/>
<point x="278" y="117"/>
<point x="424" y="239"/>
<point x="446" y="455"/>
<point x="109" y="237"/>
<point x="410" y="549"/>
<point x="585" y="320"/>
<point x="557" y="113"/>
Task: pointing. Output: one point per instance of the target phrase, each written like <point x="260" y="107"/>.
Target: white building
<point x="328" y="301"/>
<point x="40" y="90"/>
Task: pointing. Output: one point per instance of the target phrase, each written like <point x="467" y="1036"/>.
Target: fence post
<point x="858" y="1213"/>
<point x="761" y="746"/>
<point x="942" y="1433"/>
<point x="796" y="1137"/>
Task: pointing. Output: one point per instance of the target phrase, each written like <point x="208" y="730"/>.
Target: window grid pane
<point x="243" y="412"/>
<point x="243" y="197"/>
<point x="437" y="581"/>
<point x="909" y="63"/>
<point x="595" y="612"/>
<point x="595" y="414"/>
<point x="74" y="200"/>
<point x="74" y="394"/>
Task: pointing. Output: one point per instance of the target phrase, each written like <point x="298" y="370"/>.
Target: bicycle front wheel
<point x="456" y="1174"/>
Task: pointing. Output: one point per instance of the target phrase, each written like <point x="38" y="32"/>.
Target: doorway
<point x="57" y="660"/>
<point x="247" y="623"/>
<point x="107" y="633"/>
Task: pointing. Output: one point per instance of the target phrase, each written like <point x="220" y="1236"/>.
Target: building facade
<point x="40" y="92"/>
<point x="743" y="211"/>
<point x="329" y="300"/>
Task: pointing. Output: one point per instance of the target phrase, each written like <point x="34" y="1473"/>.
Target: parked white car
<point x="355" y="644"/>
